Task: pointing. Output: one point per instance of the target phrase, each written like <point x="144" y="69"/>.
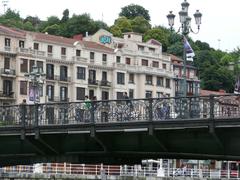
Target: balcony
<point x="7" y="95"/>
<point x="62" y="78"/>
<point x="93" y="82"/>
<point x="79" y="58"/>
<point x="8" y="72"/>
<point x="32" y="52"/>
<point x="105" y="83"/>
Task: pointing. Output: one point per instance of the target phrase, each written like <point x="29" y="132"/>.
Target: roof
<point x="173" y="57"/>
<point x="53" y="39"/>
<point x="43" y="37"/>
<point x="97" y="46"/>
<point x="12" y="31"/>
<point x="154" y="42"/>
<point x="208" y="92"/>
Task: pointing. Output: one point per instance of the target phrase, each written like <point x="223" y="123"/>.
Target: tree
<point x="79" y="24"/>
<point x="53" y="29"/>
<point x="65" y="16"/>
<point x="131" y="11"/>
<point x="140" y="24"/>
<point x="159" y="35"/>
<point x="28" y="26"/>
<point x="116" y="31"/>
<point x="35" y="21"/>
<point x="124" y="24"/>
<point x="101" y="25"/>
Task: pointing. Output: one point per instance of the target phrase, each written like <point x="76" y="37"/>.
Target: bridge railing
<point x="119" y="170"/>
<point x="121" y="111"/>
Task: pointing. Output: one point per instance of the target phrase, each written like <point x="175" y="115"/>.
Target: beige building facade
<point x="99" y="65"/>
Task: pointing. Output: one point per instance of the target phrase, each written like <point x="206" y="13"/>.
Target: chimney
<point x="78" y="37"/>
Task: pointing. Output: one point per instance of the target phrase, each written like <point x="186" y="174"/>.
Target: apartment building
<point x="139" y="68"/>
<point x="99" y="65"/>
<point x="193" y="83"/>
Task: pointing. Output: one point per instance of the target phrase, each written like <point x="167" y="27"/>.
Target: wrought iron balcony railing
<point x="8" y="72"/>
<point x="193" y="108"/>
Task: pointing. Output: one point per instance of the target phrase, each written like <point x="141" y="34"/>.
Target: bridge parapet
<point x="124" y="110"/>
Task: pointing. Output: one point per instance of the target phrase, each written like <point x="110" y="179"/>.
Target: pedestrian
<point x="94" y="102"/>
<point x="87" y="103"/>
<point x="128" y="101"/>
<point x="23" y="111"/>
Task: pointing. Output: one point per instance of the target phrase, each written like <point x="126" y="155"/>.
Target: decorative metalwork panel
<point x="121" y="111"/>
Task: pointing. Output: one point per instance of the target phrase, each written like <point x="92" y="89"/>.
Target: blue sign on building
<point x="105" y="39"/>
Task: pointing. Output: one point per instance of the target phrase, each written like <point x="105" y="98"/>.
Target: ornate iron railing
<point x="121" y="111"/>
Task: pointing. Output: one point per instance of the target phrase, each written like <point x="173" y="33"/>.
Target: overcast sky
<point x="220" y="22"/>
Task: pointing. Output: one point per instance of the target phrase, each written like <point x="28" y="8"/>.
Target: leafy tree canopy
<point x="159" y="35"/>
<point x="133" y="10"/>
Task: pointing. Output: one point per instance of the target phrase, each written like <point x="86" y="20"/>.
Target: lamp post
<point x="185" y="29"/>
<point x="36" y="77"/>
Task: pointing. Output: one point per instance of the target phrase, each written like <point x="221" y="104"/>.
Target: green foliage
<point x="124" y="24"/>
<point x="159" y="35"/>
<point x="131" y="11"/>
<point x="80" y="24"/>
<point x="101" y="25"/>
<point x="28" y="26"/>
<point x="35" y="21"/>
<point x="53" y="29"/>
<point x="140" y="25"/>
<point x="65" y="16"/>
<point x="116" y="31"/>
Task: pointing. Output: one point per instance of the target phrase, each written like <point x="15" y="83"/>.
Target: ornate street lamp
<point x="36" y="77"/>
<point x="185" y="29"/>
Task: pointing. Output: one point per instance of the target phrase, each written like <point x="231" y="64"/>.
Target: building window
<point x="131" y="78"/>
<point x="50" y="71"/>
<point x="23" y="87"/>
<point x="7" y="87"/>
<point x="164" y="66"/>
<point x="21" y="44"/>
<point x="120" y="78"/>
<point x="80" y="93"/>
<point x="50" y="92"/>
<point x="148" y="94"/>
<point x="168" y="83"/>
<point x="140" y="48"/>
<point x="63" y="93"/>
<point x="92" y="55"/>
<point x="6" y="63"/>
<point x="152" y="50"/>
<point x="159" y="81"/>
<point x="104" y="57"/>
<point x="128" y="61"/>
<point x="159" y="94"/>
<point x="131" y="93"/>
<point x="50" y="49"/>
<point x="92" y="75"/>
<point x="63" y="73"/>
<point x="155" y="64"/>
<point x="105" y="95"/>
<point x="31" y="64"/>
<point x="81" y="73"/>
<point x="7" y="42"/>
<point x="118" y="59"/>
<point x="24" y="66"/>
<point x="40" y="65"/>
<point x="144" y="62"/>
<point x="63" y="51"/>
<point x="119" y="95"/>
<point x="35" y="46"/>
<point x="149" y="79"/>
<point x="78" y="53"/>
<point x="104" y="76"/>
